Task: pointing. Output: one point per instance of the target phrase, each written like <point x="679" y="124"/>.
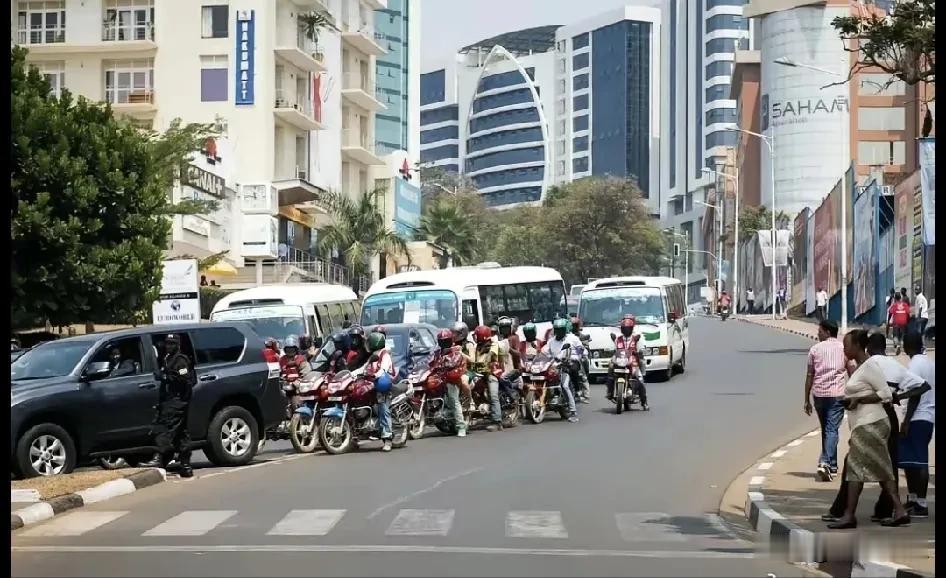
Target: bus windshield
<point x="437" y="307"/>
<point x="606" y="307"/>
<point x="278" y="321"/>
<point x="536" y="302"/>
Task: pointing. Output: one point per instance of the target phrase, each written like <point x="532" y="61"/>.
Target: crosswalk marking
<point x="74" y="524"/>
<point x="307" y="523"/>
<point x="535" y="524"/>
<point x="421" y="523"/>
<point x="647" y="527"/>
<point x="192" y="523"/>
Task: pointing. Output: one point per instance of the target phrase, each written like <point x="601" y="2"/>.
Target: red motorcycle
<point x="478" y="407"/>
<point x="542" y="381"/>
<point x="304" y="424"/>
<point x="351" y="415"/>
<point x="625" y="366"/>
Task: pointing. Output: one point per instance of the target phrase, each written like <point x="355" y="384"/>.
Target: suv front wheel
<point x="45" y="449"/>
<point x="233" y="437"/>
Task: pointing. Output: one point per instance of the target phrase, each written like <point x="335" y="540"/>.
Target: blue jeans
<point x="830" y="413"/>
<point x="566" y="386"/>
<point x="495" y="409"/>
<point x="384" y="417"/>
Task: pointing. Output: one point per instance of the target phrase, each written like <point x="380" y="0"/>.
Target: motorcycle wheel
<point x="336" y="443"/>
<point x="511" y="415"/>
<point x="534" y="410"/>
<point x="399" y="440"/>
<point x="418" y="423"/>
<point x="304" y="443"/>
<point x="619" y="386"/>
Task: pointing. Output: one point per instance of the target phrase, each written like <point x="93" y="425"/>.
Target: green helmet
<point x="376" y="341"/>
<point x="568" y="325"/>
<point x="528" y="330"/>
<point x="560" y="327"/>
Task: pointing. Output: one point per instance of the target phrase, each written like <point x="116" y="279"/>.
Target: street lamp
<point x="686" y="265"/>
<point x="445" y="189"/>
<point x="770" y="144"/>
<point x="719" y="250"/>
<point x="735" y="245"/>
<point x="846" y="159"/>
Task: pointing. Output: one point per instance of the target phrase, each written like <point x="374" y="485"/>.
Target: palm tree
<point x="312" y="22"/>
<point x="445" y="224"/>
<point x="359" y="232"/>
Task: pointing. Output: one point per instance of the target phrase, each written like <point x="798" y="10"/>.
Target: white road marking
<point x="647" y="527"/>
<point x="766" y="466"/>
<point x="421" y="523"/>
<point x="307" y="548"/>
<point x="535" y="524"/>
<point x="757" y="480"/>
<point x="74" y="524"/>
<point x="812" y="434"/>
<point x="307" y="523"/>
<point x="193" y="523"/>
<point x="795" y="443"/>
<point x="413" y="495"/>
<point x="778" y="454"/>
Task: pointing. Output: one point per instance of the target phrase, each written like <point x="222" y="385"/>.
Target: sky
<point x="448" y="25"/>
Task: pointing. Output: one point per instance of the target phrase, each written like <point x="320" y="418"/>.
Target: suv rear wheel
<point x="233" y="437"/>
<point x="45" y="449"/>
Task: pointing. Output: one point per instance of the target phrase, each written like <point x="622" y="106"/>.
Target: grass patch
<point x="53" y="486"/>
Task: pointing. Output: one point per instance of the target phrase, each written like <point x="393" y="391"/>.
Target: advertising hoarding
<point x="928" y="188"/>
<point x="810" y="265"/>
<point x="864" y="277"/>
<point x="245" y="58"/>
<point x="800" y="256"/>
<point x="903" y="231"/>
<point x="179" y="300"/>
<point x="825" y="254"/>
<point x="407" y="208"/>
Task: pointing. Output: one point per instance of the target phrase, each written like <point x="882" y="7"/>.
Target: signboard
<point x="917" y="264"/>
<point x="206" y="181"/>
<point x="782" y="237"/>
<point x="406" y="208"/>
<point x="810" y="265"/>
<point x="825" y="253"/>
<point x="864" y="277"/>
<point x="179" y="300"/>
<point x="903" y="231"/>
<point x="800" y="255"/>
<point x="245" y="58"/>
<point x="928" y="188"/>
<point x="260" y="233"/>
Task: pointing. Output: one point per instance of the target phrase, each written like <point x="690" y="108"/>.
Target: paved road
<point x="632" y="495"/>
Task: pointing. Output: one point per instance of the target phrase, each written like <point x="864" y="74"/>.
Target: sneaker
<point x="917" y="511"/>
<point x="461" y="433"/>
<point x="186" y="472"/>
<point x="573" y="419"/>
<point x="645" y="407"/>
<point x="494" y="427"/>
<point x="583" y="400"/>
<point x="387" y="446"/>
<point x="823" y="473"/>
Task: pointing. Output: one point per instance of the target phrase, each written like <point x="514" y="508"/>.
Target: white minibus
<point x="477" y="295"/>
<point x="278" y="311"/>
<point x="658" y="305"/>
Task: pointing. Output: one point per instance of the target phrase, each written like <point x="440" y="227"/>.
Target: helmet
<point x="460" y="332"/>
<point x="445" y="338"/>
<point x="270" y="343"/>
<point x="627" y="325"/>
<point x="375" y="341"/>
<point x="505" y="326"/>
<point x="291" y="341"/>
<point x="560" y="328"/>
<point x="383" y="382"/>
<point x="528" y="330"/>
<point x="305" y="342"/>
<point x="172" y="338"/>
<point x="482" y="334"/>
<point x="340" y="339"/>
<point x="356" y="330"/>
<point x="576" y="323"/>
<point x="568" y="325"/>
<point x="357" y="336"/>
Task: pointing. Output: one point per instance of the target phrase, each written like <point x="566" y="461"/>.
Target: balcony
<point x="376" y="4"/>
<point x="317" y="5"/>
<point x="135" y="102"/>
<point x="298" y="191"/>
<point x="358" y="146"/>
<point x="362" y="37"/>
<point x="304" y="54"/>
<point x="359" y="89"/>
<point x="127" y="38"/>
<point x="295" y="110"/>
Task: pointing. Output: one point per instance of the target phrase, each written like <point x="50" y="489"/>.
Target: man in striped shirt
<point x="824" y="384"/>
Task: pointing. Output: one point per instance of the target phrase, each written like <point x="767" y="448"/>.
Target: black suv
<point x="94" y="395"/>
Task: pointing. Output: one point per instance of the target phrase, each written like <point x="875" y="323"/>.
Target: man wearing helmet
<point x="358" y="352"/>
<point x="582" y="387"/>
<point x="293" y="365"/>
<point x="271" y="350"/>
<point x="531" y="345"/>
<point x="333" y="356"/>
<point x="482" y="355"/>
<point x="449" y="356"/>
<point x="560" y="337"/>
<point x="380" y="363"/>
<point x="627" y="341"/>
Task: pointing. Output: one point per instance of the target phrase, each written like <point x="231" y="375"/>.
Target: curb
<point x="45" y="510"/>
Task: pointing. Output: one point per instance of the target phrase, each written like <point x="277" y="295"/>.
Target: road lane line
<point x="795" y="443"/>
<point x="308" y="548"/>
<point x="74" y="524"/>
<point x="535" y="524"/>
<point x="192" y="523"/>
<point x="766" y="466"/>
<point x="647" y="527"/>
<point x="307" y="523"/>
<point x="756" y="480"/>
<point x="778" y="454"/>
<point x="421" y="523"/>
<point x="413" y="495"/>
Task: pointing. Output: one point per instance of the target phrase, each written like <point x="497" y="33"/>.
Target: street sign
<point x="179" y="301"/>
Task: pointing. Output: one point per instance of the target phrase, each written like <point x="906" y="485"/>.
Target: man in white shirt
<point x="553" y="347"/>
<point x="750" y="301"/>
<point x="917" y="429"/>
<point x="922" y="309"/>
<point x="821" y="304"/>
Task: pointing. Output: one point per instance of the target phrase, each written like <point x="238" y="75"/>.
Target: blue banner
<point x="245" y="69"/>
<point x="928" y="188"/>
<point x="406" y="208"/>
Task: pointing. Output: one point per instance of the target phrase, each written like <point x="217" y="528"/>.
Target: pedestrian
<point x="917" y="429"/>
<point x="750" y="300"/>
<point x="868" y="459"/>
<point x="905" y="385"/>
<point x="899" y="315"/>
<point x="922" y="309"/>
<point x="780" y="302"/>
<point x="905" y="295"/>
<point x="177" y="382"/>
<point x="283" y="252"/>
<point x="203" y="280"/>
<point x="213" y="283"/>
<point x="887" y="305"/>
<point x="821" y="304"/>
<point x="824" y="384"/>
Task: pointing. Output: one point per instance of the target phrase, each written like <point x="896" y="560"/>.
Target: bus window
<point x="517" y="303"/>
<point x="471" y="312"/>
<point x="494" y="304"/>
<point x="328" y="324"/>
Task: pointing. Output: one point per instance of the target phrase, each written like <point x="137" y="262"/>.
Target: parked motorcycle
<point x="542" y="377"/>
<point x="351" y="414"/>
<point x="625" y="365"/>
<point x="477" y="410"/>
<point x="723" y="312"/>
<point x="304" y="423"/>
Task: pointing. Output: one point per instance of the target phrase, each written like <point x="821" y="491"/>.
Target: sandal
<point x="896" y="522"/>
<point x="843" y="525"/>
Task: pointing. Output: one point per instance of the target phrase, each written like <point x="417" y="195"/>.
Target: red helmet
<point x="627" y="325"/>
<point x="445" y="338"/>
<point x="482" y="334"/>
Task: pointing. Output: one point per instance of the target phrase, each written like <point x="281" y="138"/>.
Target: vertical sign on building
<point x="245" y="68"/>
<point x="928" y="188"/>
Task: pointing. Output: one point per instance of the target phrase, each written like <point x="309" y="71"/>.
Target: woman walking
<point x="868" y="459"/>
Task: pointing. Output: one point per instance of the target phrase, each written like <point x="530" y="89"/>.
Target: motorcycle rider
<point x="626" y="341"/>
<point x="333" y="356"/>
<point x="293" y="365"/>
<point x="308" y="348"/>
<point x="448" y="357"/>
<point x="724" y="301"/>
<point x="530" y="346"/>
<point x="561" y="336"/>
<point x="483" y="354"/>
<point x="509" y="344"/>
<point x="271" y="350"/>
<point x="380" y="364"/>
<point x="357" y="352"/>
<point x="582" y="387"/>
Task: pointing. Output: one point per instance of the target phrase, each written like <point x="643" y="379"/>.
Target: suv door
<point x="125" y="399"/>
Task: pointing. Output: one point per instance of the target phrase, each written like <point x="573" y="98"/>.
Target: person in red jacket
<point x="899" y="315"/>
<point x="271" y="350"/>
<point x="450" y="363"/>
<point x="627" y="340"/>
<point x="293" y="365"/>
<point x="531" y="345"/>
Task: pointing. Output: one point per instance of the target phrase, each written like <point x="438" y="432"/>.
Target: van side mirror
<point x="96" y="370"/>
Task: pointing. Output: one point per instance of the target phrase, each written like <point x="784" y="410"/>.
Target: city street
<point x="631" y="495"/>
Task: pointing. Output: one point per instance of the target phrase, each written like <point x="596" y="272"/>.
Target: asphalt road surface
<point x="629" y="495"/>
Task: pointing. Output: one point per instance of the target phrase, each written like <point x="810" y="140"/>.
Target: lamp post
<point x="719" y="243"/>
<point x="735" y="245"/>
<point x="686" y="265"/>
<point x="846" y="159"/>
<point x="770" y="144"/>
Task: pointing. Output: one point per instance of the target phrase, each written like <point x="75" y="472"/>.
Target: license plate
<point x="538" y="379"/>
<point x="335" y="399"/>
<point x="620" y="370"/>
<point x="307" y="398"/>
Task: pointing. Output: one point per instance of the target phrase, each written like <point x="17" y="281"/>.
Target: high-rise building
<point x="397" y="128"/>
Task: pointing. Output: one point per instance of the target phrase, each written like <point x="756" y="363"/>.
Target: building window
<point x="717" y="92"/>
<point x="124" y="22"/>
<point x="41" y="22"/>
<point x="881" y="153"/>
<point x="215" y="21"/>
<point x="55" y="75"/>
<point x="580" y="165"/>
<point x="718" y="68"/>
<point x="580" y="41"/>
<point x="580" y="123"/>
<point x="560" y="147"/>
<point x="720" y="115"/>
<point x="561" y="66"/>
<point x="726" y="22"/>
<point x="874" y="85"/>
<point x="560" y="107"/>
<point x="580" y="144"/>
<point x="129" y="81"/>
<point x="881" y="118"/>
<point x="530" y="72"/>
<point x="561" y="86"/>
<point x="580" y="61"/>
<point x="580" y="81"/>
<point x="213" y="78"/>
<point x="580" y="102"/>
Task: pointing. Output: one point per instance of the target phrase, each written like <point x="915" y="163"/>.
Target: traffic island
<point x="58" y="494"/>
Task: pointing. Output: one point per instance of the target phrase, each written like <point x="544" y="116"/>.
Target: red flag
<point x="317" y="97"/>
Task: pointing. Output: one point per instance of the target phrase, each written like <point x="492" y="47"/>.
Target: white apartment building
<point x="297" y="114"/>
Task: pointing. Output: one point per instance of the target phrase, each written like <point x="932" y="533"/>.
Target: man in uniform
<point x="177" y="383"/>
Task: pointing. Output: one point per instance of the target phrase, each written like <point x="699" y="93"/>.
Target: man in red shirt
<point x="899" y="315"/>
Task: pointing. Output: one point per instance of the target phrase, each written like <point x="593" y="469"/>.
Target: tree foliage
<point x="753" y="219"/>
<point x="91" y="199"/>
<point x="457" y="223"/>
<point x="902" y="44"/>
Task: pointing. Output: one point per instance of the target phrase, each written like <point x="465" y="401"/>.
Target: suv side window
<point x="218" y="345"/>
<point x="124" y="356"/>
<point x="157" y="340"/>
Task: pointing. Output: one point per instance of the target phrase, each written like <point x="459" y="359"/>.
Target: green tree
<point x="753" y="219"/>
<point x="456" y="223"/>
<point x="359" y="232"/>
<point x="91" y="201"/>
<point x="902" y="44"/>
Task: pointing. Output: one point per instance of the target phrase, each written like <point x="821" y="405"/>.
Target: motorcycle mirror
<point x="614" y="337"/>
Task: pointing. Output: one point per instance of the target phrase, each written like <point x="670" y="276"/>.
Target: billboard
<point x="864" y="250"/>
<point x="825" y="253"/>
<point x="407" y="209"/>
<point x="851" y="189"/>
<point x="810" y="265"/>
<point x="903" y="230"/>
<point x="179" y="300"/>
<point x="245" y="73"/>
<point x="928" y="188"/>
<point x="800" y="256"/>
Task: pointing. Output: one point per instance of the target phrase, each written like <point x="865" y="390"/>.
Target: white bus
<point x="662" y="319"/>
<point x="278" y="311"/>
<point x="477" y="295"/>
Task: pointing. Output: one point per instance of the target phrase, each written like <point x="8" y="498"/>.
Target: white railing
<point x="291" y="99"/>
<point x="115" y="95"/>
<point x="113" y="32"/>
